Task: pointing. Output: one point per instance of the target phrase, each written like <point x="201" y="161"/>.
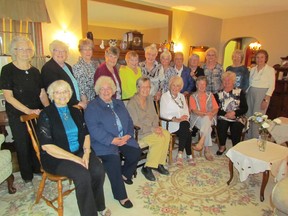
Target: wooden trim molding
<point x="84" y="12"/>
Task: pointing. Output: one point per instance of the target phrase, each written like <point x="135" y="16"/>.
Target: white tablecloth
<point x="247" y="159"/>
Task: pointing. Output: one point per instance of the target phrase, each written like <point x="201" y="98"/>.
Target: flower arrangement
<point x="263" y="122"/>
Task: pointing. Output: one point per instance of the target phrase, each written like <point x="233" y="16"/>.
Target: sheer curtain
<point x="19" y="17"/>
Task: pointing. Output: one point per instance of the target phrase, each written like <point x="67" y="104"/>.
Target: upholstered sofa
<point x="280" y="198"/>
<point x="6" y="167"/>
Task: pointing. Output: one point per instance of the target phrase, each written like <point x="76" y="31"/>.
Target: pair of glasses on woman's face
<point x="61" y="92"/>
<point x="23" y="50"/>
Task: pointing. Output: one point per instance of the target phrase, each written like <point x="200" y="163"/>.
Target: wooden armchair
<point x="31" y="122"/>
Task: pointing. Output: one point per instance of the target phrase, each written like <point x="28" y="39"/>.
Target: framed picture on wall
<point x="200" y="51"/>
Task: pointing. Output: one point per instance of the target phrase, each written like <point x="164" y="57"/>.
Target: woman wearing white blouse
<point x="173" y="106"/>
<point x="262" y="85"/>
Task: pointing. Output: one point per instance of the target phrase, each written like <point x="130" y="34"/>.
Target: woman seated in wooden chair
<point x="204" y="110"/>
<point x="232" y="109"/>
<point x="173" y="106"/>
<point x="111" y="129"/>
<point x="65" y="150"/>
<point x="143" y="113"/>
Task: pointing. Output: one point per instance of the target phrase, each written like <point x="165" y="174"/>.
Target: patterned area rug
<point x="189" y="191"/>
<point x="202" y="190"/>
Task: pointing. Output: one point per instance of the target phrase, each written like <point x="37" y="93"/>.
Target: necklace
<point x="64" y="113"/>
<point x="181" y="106"/>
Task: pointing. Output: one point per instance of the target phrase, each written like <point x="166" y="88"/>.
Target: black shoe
<point x="128" y="181"/>
<point x="161" y="169"/>
<point x="127" y="204"/>
<point x="147" y="172"/>
<point x="220" y="152"/>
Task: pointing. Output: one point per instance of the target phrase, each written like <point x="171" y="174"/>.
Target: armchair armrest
<point x="136" y="131"/>
<point x="2" y="139"/>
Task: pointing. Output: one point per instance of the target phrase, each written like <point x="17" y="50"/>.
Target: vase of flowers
<point x="265" y="125"/>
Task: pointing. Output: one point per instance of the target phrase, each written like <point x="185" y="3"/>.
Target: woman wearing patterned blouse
<point x="213" y="71"/>
<point x="232" y="107"/>
<point x="166" y="71"/>
<point x="84" y="70"/>
<point x="151" y="69"/>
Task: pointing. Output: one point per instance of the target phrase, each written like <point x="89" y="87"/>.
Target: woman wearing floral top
<point x="213" y="71"/>
<point x="232" y="107"/>
<point x="151" y="68"/>
<point x="84" y="70"/>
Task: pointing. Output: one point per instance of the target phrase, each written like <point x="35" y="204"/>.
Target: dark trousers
<point x="235" y="130"/>
<point x="27" y="159"/>
<point x="184" y="135"/>
<point x="88" y="183"/>
<point x="114" y="170"/>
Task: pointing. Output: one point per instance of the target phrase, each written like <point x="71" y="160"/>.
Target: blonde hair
<point x="131" y="54"/>
<point x="166" y="54"/>
<point x="151" y="48"/>
<point x="176" y="80"/>
<point x="104" y="80"/>
<point x="238" y="52"/>
<point x="58" y="84"/>
<point x="229" y="74"/>
<point x="17" y="39"/>
<point x="212" y="49"/>
<point x="58" y="43"/>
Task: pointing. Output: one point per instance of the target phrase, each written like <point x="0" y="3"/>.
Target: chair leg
<point x="10" y="181"/>
<point x="41" y="187"/>
<point x="60" y="198"/>
<point x="171" y="149"/>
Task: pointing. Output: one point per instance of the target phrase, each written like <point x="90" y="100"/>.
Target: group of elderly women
<point x="83" y="147"/>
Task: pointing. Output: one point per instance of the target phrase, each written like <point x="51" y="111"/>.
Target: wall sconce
<point x="68" y="38"/>
<point x="255" y="46"/>
<point x="178" y="47"/>
<point x="200" y="51"/>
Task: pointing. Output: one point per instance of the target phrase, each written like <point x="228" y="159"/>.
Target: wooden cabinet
<point x="279" y="101"/>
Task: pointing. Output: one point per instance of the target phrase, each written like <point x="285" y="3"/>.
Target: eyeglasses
<point x="61" y="92"/>
<point x="22" y="50"/>
<point x="60" y="51"/>
<point x="86" y="49"/>
<point x="105" y="89"/>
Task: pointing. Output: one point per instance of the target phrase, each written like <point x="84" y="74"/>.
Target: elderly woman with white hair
<point x="57" y="69"/>
<point x="241" y="71"/>
<point x="84" y="70"/>
<point x="213" y="71"/>
<point x="111" y="130"/>
<point x="173" y="106"/>
<point x="232" y="108"/>
<point x="24" y="94"/>
<point x="65" y="150"/>
<point x="151" y="68"/>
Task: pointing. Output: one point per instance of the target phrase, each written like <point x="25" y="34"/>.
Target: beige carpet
<point x="199" y="190"/>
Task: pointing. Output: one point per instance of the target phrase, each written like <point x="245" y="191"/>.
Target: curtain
<point x="33" y="30"/>
<point x="28" y="10"/>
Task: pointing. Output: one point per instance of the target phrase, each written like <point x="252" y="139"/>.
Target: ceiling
<point x="222" y="9"/>
<point x="107" y="15"/>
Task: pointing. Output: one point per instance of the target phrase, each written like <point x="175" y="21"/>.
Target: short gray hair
<point x="85" y="42"/>
<point x="238" y="52"/>
<point x="17" y="39"/>
<point x="113" y="51"/>
<point x="166" y="54"/>
<point x="141" y="80"/>
<point x="104" y="80"/>
<point x="57" y="84"/>
<point x="58" y="43"/>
